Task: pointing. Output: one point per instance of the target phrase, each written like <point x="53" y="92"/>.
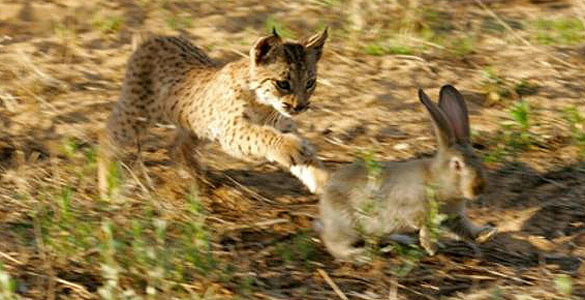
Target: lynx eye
<point x="310" y="84"/>
<point x="283" y="85"/>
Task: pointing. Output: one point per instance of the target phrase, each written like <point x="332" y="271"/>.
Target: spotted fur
<point x="245" y="106"/>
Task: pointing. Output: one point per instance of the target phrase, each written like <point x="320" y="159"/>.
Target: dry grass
<point x="519" y="63"/>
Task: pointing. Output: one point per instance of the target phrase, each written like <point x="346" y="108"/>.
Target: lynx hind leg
<point x="110" y="151"/>
<point x="186" y="147"/>
<point x="122" y="129"/>
<point x="106" y="156"/>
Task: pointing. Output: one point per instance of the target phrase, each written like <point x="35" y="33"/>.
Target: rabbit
<point x="398" y="192"/>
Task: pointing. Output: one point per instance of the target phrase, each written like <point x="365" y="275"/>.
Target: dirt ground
<point x="61" y="67"/>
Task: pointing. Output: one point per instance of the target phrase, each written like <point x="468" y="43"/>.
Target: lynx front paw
<point x="293" y="151"/>
<point x="313" y="177"/>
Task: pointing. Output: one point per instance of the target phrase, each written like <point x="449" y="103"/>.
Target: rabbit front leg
<point x="459" y="223"/>
<point x="341" y="245"/>
<point x="462" y="226"/>
<point x="426" y="240"/>
<point x="337" y="231"/>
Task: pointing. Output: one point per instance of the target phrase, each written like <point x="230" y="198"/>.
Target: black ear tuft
<point x="274" y="33"/>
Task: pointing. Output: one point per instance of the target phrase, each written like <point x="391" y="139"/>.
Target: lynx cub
<point x="245" y="105"/>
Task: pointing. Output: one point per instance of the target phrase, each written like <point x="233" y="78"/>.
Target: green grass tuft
<point x="562" y="31"/>
<point x="328" y="3"/>
<point x="179" y="22"/>
<point x="281" y="29"/>
<point x="108" y="25"/>
<point x="299" y="248"/>
<point x="515" y="135"/>
<point x="7" y="285"/>
<point x="564" y="284"/>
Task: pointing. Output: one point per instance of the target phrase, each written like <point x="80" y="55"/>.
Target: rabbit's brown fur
<point x="396" y="195"/>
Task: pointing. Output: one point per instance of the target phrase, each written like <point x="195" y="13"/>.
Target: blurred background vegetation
<point x="519" y="63"/>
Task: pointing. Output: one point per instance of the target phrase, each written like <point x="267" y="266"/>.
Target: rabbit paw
<point x="426" y="241"/>
<point x="359" y="257"/>
<point x="486" y="233"/>
<point x="430" y="247"/>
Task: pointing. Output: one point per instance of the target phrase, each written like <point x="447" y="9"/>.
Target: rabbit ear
<point x="442" y="127"/>
<point x="452" y="104"/>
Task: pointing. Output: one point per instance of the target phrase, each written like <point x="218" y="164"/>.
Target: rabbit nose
<point x="479" y="187"/>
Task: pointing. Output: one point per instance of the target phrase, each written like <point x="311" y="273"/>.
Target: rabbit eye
<point x="457" y="164"/>
<point x="310" y="84"/>
<point x="283" y="85"/>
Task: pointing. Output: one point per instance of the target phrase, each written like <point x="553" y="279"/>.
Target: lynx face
<point x="284" y="75"/>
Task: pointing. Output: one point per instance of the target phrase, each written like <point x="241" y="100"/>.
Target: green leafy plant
<point x="196" y="237"/>
<point x="114" y="179"/>
<point x="564" y="284"/>
<point x="409" y="257"/>
<point x="521" y="116"/>
<point x="434" y="218"/>
<point x="298" y="249"/>
<point x="110" y="268"/>
<point x="370" y="208"/>
<point x="515" y="135"/>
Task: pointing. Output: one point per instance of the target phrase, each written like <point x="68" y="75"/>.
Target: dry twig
<point x="332" y="284"/>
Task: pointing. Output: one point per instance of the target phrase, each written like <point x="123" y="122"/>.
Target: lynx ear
<point x="263" y="50"/>
<point x="314" y="44"/>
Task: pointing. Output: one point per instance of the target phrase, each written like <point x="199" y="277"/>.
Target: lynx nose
<point x="301" y="107"/>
